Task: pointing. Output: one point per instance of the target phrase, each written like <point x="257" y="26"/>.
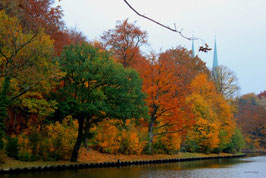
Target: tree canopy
<point x="95" y="87"/>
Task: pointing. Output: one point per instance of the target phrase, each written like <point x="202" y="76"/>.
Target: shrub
<point x="26" y="156"/>
<point x="54" y="142"/>
<point x="113" y="136"/>
<point x="191" y="146"/>
<point x="133" y="138"/>
<point x="2" y="157"/>
<point x="60" y="139"/>
<point x="236" y="143"/>
<point x="107" y="137"/>
<point x="168" y="143"/>
<point x="1" y="144"/>
<point x="12" y="147"/>
<point x="171" y="142"/>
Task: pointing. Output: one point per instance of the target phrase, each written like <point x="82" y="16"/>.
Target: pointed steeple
<point x="215" y="56"/>
<point x="193" y="49"/>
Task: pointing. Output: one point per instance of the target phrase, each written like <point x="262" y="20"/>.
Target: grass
<point x="92" y="156"/>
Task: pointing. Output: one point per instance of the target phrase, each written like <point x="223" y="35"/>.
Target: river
<point x="253" y="166"/>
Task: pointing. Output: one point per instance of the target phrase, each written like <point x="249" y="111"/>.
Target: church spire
<point x="215" y="56"/>
<point x="193" y="49"/>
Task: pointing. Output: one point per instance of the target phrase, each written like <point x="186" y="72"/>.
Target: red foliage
<point x="262" y="95"/>
<point x="124" y="41"/>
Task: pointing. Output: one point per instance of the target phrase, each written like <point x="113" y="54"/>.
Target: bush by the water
<point x="236" y="144"/>
<point x="53" y="142"/>
<point x="112" y="136"/>
<point x="12" y="147"/>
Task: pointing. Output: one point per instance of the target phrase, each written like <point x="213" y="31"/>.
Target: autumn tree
<point x="25" y="62"/>
<point x="124" y="41"/>
<point x="34" y="15"/>
<point x="262" y="99"/>
<point x="237" y="142"/>
<point x="251" y="119"/>
<point x="76" y="36"/>
<point x="214" y="124"/>
<point x="225" y="81"/>
<point x="168" y="112"/>
<point x="95" y="87"/>
<point x="166" y="82"/>
<point x="186" y="66"/>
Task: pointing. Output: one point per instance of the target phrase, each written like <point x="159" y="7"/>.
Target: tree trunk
<point x="85" y="143"/>
<point x="86" y="134"/>
<point x="79" y="140"/>
<point x="150" y="130"/>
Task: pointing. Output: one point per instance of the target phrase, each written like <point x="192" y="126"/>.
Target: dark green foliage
<point x="27" y="157"/>
<point x="191" y="146"/>
<point x="12" y="147"/>
<point x="3" y="115"/>
<point x="3" y="111"/>
<point x="222" y="144"/>
<point x="35" y="139"/>
<point x="236" y="144"/>
<point x="95" y="87"/>
<point x="160" y="148"/>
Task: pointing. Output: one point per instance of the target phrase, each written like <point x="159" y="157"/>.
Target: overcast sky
<point x="239" y="25"/>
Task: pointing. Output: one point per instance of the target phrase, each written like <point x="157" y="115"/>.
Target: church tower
<point x="215" y="60"/>
<point x="215" y="56"/>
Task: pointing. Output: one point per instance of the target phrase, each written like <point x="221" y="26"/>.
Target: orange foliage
<point x="171" y="142"/>
<point x="165" y="93"/>
<point x="187" y="67"/>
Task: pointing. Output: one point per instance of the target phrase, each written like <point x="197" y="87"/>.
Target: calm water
<point x="253" y="167"/>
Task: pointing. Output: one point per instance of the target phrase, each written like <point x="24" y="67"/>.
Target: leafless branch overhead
<point x="167" y="27"/>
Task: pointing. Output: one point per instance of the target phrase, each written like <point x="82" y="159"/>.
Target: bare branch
<point x="162" y="25"/>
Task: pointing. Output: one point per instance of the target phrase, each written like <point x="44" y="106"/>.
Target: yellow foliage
<point x="108" y="138"/>
<point x="112" y="137"/>
<point x="27" y="59"/>
<point x="171" y="142"/>
<point x="133" y="138"/>
<point x="214" y="119"/>
<point x="55" y="139"/>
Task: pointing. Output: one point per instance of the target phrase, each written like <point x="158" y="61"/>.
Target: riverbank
<point x="250" y="166"/>
<point x="92" y="156"/>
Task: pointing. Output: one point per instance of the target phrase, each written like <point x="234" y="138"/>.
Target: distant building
<point x="215" y="59"/>
<point x="215" y="56"/>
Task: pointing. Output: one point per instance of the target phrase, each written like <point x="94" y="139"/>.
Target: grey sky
<point x="240" y="27"/>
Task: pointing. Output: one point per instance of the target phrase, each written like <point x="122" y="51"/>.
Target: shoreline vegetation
<point x="60" y="92"/>
<point x="92" y="156"/>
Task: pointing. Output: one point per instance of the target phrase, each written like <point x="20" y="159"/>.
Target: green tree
<point x="236" y="143"/>
<point x="95" y="87"/>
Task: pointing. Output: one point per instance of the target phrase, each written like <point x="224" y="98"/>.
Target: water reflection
<point x="242" y="167"/>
